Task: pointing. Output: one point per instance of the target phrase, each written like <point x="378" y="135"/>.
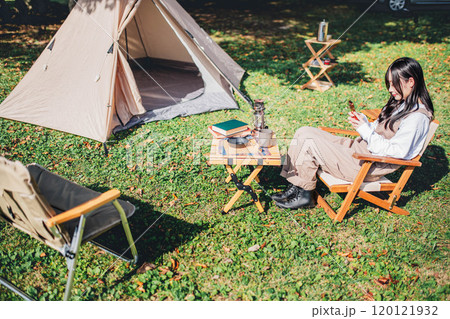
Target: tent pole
<point x="140" y="36"/>
<point x="241" y="94"/>
<point x="105" y="149"/>
<point x="126" y="44"/>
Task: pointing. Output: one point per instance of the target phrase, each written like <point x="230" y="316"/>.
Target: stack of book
<point x="229" y="128"/>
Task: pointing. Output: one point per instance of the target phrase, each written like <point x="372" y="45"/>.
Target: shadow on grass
<point x="435" y="166"/>
<point x="270" y="34"/>
<point x="155" y="233"/>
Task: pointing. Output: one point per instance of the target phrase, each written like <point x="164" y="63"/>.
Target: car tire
<point x="397" y="5"/>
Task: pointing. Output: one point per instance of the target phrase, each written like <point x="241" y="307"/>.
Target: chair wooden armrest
<point x="84" y="208"/>
<point x="385" y="159"/>
<point x="372" y="114"/>
<point x="338" y="131"/>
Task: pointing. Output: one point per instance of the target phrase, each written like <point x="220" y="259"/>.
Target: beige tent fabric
<point x="80" y="86"/>
<point x="197" y="53"/>
<point x="158" y="38"/>
<point x="128" y="101"/>
<point x="23" y="206"/>
<point x="64" y="95"/>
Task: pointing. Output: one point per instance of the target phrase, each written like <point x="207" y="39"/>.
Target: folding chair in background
<point x="360" y="188"/>
<point x="59" y="213"/>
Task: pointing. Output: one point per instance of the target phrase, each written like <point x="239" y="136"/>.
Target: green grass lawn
<point x="193" y="252"/>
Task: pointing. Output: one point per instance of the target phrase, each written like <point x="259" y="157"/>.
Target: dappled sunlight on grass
<point x="195" y="253"/>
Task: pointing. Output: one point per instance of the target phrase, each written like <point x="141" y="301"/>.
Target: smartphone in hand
<point x="352" y="108"/>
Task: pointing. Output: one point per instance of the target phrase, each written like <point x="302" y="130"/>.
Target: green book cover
<point x="228" y="126"/>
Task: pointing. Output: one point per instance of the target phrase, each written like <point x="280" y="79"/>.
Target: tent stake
<point x="106" y="149"/>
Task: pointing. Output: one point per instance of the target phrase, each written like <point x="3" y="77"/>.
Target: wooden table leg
<point x="235" y="170"/>
<point x="238" y="194"/>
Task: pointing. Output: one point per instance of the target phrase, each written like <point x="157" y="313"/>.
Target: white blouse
<point x="405" y="144"/>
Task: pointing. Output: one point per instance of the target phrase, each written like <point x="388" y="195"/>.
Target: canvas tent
<point x="116" y="63"/>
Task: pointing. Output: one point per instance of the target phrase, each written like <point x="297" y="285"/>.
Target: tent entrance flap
<point x="163" y="83"/>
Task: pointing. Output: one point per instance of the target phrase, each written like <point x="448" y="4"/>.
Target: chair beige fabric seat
<point x="332" y="181"/>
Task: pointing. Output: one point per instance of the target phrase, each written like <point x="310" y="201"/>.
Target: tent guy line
<point x="173" y="69"/>
<point x="357" y="19"/>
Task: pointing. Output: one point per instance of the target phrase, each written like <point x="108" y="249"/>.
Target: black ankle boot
<point x="302" y="199"/>
<point x="282" y="196"/>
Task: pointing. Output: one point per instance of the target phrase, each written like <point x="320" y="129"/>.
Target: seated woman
<point x="399" y="132"/>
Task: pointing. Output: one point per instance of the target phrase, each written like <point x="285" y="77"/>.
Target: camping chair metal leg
<point x="126" y="228"/>
<point x="72" y="255"/>
<point x="14" y="289"/>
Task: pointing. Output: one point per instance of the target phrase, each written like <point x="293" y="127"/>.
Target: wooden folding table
<point x="250" y="155"/>
<point x="317" y="61"/>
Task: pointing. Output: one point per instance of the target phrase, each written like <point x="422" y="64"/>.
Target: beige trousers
<point x="312" y="148"/>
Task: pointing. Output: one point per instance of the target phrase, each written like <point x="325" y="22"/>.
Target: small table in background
<point x="316" y="61"/>
<point x="250" y="155"/>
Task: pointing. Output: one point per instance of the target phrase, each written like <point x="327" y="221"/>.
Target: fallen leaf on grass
<point x="385" y="281"/>
<point x="145" y="267"/>
<point x="254" y="248"/>
<point x="163" y="270"/>
<point x="201" y="265"/>
<point x="269" y="224"/>
<point x="384" y="252"/>
<point x="42" y="255"/>
<point x="226" y="249"/>
<point x="191" y="203"/>
<point x="176" y="278"/>
<point x="140" y="288"/>
<point x="369" y="296"/>
<point x="348" y="255"/>
<point x="175" y="264"/>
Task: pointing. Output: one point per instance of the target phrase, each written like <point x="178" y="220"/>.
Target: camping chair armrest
<point x="385" y="159"/>
<point x="84" y="208"/>
<point x="338" y="131"/>
<point x="372" y="114"/>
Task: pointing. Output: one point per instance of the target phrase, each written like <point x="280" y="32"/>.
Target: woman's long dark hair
<point x="405" y="68"/>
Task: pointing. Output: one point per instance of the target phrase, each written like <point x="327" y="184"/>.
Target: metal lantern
<point x="258" y="113"/>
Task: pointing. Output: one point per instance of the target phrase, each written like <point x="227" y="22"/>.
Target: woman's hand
<point x="355" y="119"/>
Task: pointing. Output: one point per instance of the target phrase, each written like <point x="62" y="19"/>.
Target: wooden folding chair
<point x="360" y="188"/>
<point x="59" y="213"/>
